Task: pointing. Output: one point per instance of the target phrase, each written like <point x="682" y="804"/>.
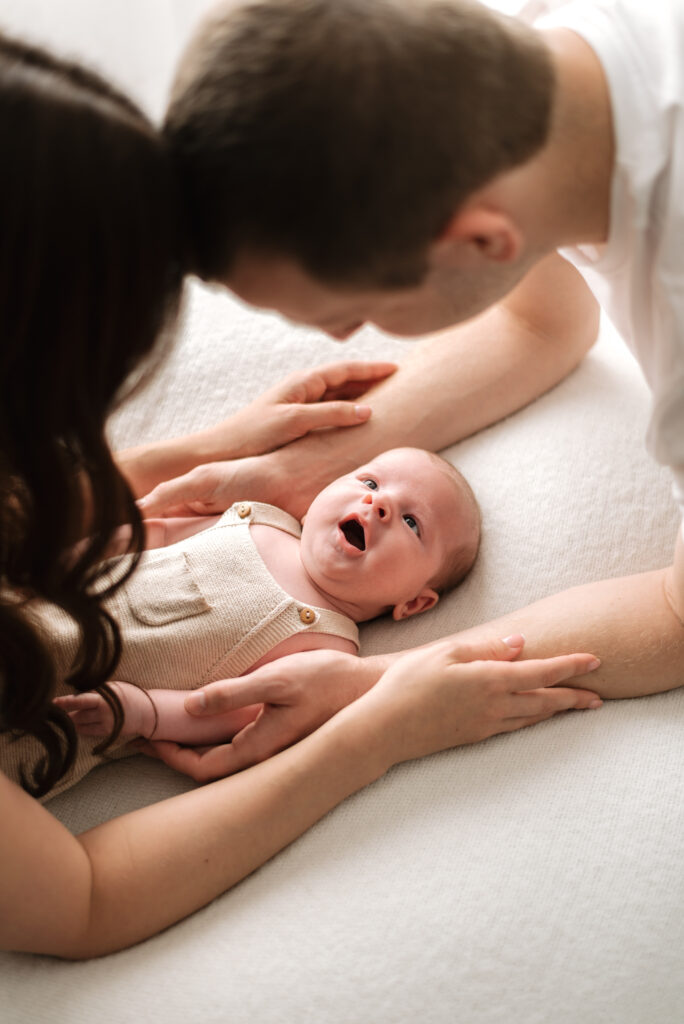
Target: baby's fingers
<point x="79" y="701"/>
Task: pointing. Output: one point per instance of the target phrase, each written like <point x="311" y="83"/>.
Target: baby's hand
<point x="92" y="716"/>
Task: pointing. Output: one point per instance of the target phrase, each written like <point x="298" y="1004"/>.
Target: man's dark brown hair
<point x="346" y="133"/>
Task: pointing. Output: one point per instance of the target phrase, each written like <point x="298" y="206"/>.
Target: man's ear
<point x="487" y="234"/>
<point x="427" y="599"/>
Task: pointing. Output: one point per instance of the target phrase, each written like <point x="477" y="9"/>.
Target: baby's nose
<point x="379" y="505"/>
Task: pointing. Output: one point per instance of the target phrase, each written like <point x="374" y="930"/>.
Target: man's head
<point x="392" y="535"/>
<point x="343" y="135"/>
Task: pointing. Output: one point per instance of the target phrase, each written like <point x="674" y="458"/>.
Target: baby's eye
<point x="370" y="484"/>
<point x="412" y="524"/>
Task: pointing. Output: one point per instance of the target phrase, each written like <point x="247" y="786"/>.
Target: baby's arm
<point x="154" y="714"/>
<point x="161" y="714"/>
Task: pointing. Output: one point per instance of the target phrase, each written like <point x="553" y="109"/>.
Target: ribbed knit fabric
<point x="203" y="609"/>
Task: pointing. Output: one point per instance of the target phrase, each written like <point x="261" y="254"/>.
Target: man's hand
<point x="444" y="695"/>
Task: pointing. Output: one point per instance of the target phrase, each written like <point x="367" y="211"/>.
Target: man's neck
<point x="562" y="196"/>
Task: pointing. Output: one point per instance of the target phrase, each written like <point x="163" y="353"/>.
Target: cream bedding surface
<point x="536" y="877"/>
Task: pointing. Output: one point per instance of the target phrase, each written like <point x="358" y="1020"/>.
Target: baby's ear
<point x="427" y="599"/>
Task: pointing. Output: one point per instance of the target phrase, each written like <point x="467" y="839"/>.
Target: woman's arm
<point x="634" y="624"/>
<point x="123" y="881"/>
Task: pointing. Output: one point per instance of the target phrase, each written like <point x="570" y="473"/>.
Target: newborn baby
<point x="223" y="595"/>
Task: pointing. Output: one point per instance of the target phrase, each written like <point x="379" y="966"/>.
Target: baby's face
<point x="376" y="537"/>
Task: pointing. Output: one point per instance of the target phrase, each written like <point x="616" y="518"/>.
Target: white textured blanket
<point x="536" y="877"/>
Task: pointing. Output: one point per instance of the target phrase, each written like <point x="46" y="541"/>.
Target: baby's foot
<point x="92" y="716"/>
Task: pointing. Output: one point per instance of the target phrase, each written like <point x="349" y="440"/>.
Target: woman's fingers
<point x="260" y="687"/>
<point x="193" y="493"/>
<point x="490" y="649"/>
<point x="302" y="419"/>
<point x="204" y="764"/>
<point x="547" y="702"/>
<point x="535" y="673"/>
<point x="345" y="379"/>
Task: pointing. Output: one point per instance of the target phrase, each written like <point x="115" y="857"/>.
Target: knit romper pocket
<point x="166" y="592"/>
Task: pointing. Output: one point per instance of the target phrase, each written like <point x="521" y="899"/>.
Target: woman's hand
<point x="454" y="693"/>
<point x="305" y="400"/>
<point x="299" y="693"/>
<point x="211" y="488"/>
<point x="444" y="695"/>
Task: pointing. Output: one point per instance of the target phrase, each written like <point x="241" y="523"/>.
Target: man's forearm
<point x="455" y="383"/>
<point x="629" y="623"/>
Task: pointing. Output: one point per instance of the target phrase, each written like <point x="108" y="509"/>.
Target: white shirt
<point x="638" y="275"/>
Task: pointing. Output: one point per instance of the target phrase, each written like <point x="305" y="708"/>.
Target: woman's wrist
<point x="148" y="465"/>
<point x="362" y="752"/>
<point x="368" y="671"/>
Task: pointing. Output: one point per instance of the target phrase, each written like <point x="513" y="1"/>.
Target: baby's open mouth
<point x="354" y="533"/>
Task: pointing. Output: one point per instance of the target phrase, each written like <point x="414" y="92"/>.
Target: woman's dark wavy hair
<point x="91" y="264"/>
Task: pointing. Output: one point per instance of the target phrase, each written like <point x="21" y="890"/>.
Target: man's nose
<point x="381" y="507"/>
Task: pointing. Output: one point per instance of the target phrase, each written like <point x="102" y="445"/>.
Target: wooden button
<point x="243" y="509"/>
<point x="307" y="615"/>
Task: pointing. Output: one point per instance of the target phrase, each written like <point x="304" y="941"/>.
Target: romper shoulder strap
<point x="260" y="514"/>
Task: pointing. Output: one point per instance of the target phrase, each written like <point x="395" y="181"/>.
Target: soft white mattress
<point x="536" y="877"/>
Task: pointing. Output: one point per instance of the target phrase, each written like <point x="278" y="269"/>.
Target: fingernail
<point x="595" y="704"/>
<point x="593" y="664"/>
<point x="362" y="411"/>
<point x="516" y="640"/>
<point x="196" y="702"/>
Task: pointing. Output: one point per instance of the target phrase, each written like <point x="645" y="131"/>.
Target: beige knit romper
<point x="202" y="609"/>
